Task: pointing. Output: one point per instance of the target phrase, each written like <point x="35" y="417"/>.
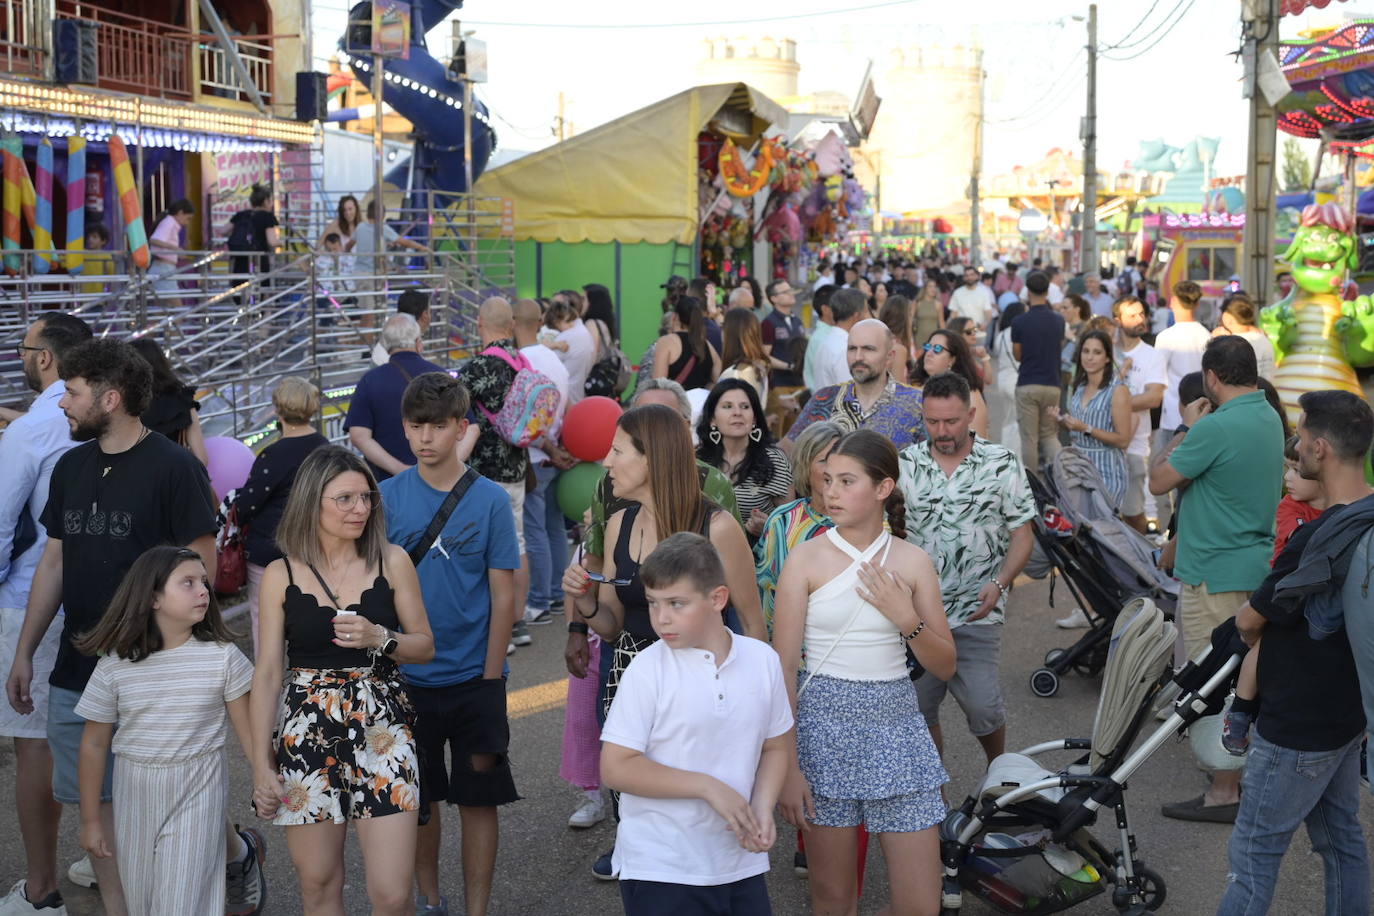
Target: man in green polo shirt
<point x="1231" y="463"/>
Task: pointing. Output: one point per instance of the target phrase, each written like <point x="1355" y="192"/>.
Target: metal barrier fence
<point x="234" y="326"/>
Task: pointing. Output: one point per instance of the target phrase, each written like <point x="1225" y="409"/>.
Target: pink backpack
<point x="530" y="406"/>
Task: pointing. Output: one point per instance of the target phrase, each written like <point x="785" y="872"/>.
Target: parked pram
<point x="1023" y="842"/>
<point x="1104" y="562"/>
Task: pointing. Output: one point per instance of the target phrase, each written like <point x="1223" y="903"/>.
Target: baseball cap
<point x="675" y="282"/>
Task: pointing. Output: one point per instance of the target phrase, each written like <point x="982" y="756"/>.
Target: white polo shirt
<point x="1147" y="368"/>
<point x="677" y="708"/>
<point x="832" y="359"/>
<point x="1181" y="346"/>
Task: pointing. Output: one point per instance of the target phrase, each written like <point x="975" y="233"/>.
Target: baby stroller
<point x="1023" y="843"/>
<point x="1104" y="561"/>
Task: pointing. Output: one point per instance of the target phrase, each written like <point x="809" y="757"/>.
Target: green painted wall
<point x="543" y="268"/>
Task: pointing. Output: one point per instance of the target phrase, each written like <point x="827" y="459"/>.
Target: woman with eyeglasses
<point x="973" y="336"/>
<point x="335" y="745"/>
<point x="1099" y="418"/>
<point x="946" y="351"/>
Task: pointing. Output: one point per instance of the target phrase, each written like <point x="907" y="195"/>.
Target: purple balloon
<point x="230" y="462"/>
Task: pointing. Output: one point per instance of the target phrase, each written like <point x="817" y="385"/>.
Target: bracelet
<point x="907" y="637"/>
<point x="1003" y="589"/>
<point x="577" y="626"/>
<point x="595" y="611"/>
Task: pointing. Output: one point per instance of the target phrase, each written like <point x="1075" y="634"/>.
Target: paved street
<point x="544" y="866"/>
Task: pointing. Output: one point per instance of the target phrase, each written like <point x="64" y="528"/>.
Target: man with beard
<point x="968" y="505"/>
<point x="1142" y="366"/>
<point x="29" y="449"/>
<point x="872" y="399"/>
<point x="973" y="300"/>
<point x="1231" y="459"/>
<point x="123" y="490"/>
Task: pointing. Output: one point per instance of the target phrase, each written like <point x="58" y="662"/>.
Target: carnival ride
<point x="426" y="93"/>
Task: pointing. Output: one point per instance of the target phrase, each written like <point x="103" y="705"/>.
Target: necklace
<point x="343" y="577"/>
<point x="110" y="462"/>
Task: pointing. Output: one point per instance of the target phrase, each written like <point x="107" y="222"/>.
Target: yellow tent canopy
<point x="634" y="179"/>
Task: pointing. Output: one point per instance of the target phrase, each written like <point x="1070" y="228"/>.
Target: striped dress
<point x="1109" y="460"/>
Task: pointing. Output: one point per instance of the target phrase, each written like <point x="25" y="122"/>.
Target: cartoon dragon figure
<point x="1318" y="338"/>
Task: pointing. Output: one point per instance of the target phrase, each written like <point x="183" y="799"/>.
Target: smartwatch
<point x="389" y="644"/>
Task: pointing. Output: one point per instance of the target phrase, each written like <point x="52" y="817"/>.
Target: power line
<point x="688" y="25"/>
<point x="1055" y="88"/>
<point x="1120" y="41"/>
<point x="1163" y="35"/>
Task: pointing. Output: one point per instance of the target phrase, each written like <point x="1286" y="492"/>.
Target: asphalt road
<point x="544" y="867"/>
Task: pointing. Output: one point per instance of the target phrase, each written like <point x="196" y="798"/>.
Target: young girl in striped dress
<point x="169" y="676"/>
<point x="859" y="596"/>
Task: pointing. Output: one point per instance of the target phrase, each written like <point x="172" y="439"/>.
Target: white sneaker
<point x="16" y="903"/>
<point x="589" y="814"/>
<point x="510" y="648"/>
<point x="1076" y="620"/>
<point x="81" y="873"/>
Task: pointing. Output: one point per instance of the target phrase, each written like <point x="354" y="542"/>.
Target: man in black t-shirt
<point x="1037" y="338"/>
<point x="123" y="490"/>
<point x="1304" y="763"/>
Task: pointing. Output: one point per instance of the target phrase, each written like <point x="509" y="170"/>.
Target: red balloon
<point x="589" y="426"/>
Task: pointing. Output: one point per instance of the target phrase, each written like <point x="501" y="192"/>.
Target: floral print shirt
<point x="488" y="380"/>
<point x="964" y="521"/>
<point x="898" y="414"/>
<point x="789" y="525"/>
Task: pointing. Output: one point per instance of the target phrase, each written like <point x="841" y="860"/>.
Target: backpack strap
<point x="517" y="364"/>
<point x="436" y="524"/>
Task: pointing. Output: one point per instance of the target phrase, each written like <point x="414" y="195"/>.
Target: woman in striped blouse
<point x="1099" y="420"/>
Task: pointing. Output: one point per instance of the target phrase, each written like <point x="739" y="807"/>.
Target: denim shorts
<point x="64" y="739"/>
<point x="977" y="682"/>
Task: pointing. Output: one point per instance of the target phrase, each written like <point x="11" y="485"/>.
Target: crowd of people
<point x="804" y="540"/>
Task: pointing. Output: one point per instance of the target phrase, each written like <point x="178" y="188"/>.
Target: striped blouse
<point x="1109" y="460"/>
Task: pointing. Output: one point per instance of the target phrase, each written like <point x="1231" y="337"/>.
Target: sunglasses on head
<point x="934" y="348"/>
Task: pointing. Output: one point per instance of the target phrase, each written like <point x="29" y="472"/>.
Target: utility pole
<point x="1088" y="259"/>
<point x="975" y="240"/>
<point x="1261" y="21"/>
<point x="561" y="122"/>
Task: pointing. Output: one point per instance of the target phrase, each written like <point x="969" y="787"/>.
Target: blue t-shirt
<point x="376" y="404"/>
<point x="479" y="535"/>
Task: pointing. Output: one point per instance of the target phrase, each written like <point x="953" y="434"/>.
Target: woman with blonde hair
<point x="338" y="612"/>
<point x="261" y="501"/>
<point x="927" y="313"/>
<point x="742" y="352"/>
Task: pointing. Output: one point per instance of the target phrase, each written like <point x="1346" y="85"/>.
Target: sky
<point x="1182" y="81"/>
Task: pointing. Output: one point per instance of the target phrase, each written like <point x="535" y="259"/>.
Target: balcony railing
<point x="23" y="40"/>
<point x="217" y="76"/>
<point x="135" y="54"/>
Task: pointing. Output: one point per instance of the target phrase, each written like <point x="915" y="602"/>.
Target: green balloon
<point x="577" y="487"/>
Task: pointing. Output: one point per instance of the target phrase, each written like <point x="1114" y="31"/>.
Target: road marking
<point x="529" y="701"/>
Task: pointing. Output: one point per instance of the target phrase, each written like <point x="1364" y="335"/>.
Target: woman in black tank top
<point x="335" y="742"/>
<point x="686" y="356"/>
<point x="652" y="462"/>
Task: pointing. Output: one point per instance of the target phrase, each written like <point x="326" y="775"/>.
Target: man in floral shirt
<point x="488" y="379"/>
<point x="968" y="505"/>
<point x="872" y="399"/>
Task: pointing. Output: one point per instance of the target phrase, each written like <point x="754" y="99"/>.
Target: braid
<point x="896" y="513"/>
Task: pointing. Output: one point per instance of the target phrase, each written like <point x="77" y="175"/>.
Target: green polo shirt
<point x="1234" y="458"/>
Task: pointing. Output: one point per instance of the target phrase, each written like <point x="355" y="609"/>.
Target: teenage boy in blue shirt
<point x="698" y="742"/>
<point x="467" y="577"/>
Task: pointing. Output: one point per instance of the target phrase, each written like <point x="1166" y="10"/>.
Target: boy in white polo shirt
<point x="697" y="741"/>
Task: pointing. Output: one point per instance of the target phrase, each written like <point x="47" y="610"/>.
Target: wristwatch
<point x="389" y="643"/>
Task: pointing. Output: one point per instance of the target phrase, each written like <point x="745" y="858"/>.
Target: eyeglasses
<point x="971" y="333"/>
<point x="346" y="501"/>
<point x="934" y="348"/>
<point x="595" y="576"/>
<point x="21" y="349"/>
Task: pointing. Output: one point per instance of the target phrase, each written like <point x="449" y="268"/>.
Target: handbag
<point x="610" y="375"/>
<point x="231" y="560"/>
<point x="436" y="524"/>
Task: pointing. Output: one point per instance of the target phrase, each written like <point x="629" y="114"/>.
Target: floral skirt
<point x="345" y="746"/>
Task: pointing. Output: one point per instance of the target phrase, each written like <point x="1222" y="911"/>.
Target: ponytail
<point x="692" y="316"/>
<point x="896" y="513"/>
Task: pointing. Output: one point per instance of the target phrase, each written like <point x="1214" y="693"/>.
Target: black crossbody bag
<point x="436" y="524"/>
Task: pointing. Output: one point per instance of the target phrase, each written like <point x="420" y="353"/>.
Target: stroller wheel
<point x="1152" y="888"/>
<point x="1044" y="682"/>
<point x="1053" y="656"/>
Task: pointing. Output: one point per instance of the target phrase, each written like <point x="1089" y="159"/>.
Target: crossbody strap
<point x="436" y="524"/>
<point x="853" y="615"/>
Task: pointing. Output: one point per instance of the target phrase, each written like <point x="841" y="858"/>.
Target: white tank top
<point x="871" y="648"/>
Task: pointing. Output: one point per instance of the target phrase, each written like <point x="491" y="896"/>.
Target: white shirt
<point x="1181" y="346"/>
<point x="1264" y="351"/>
<point x="168" y="232"/>
<point x="813" y="353"/>
<point x="1055" y="295"/>
<point x="823" y="280"/>
<point x="579" y="358"/>
<point x="973" y="302"/>
<point x="29" y="449"/>
<point x="678" y="709"/>
<point x="832" y="359"/>
<point x="547" y="362"/>
<point x="1147" y="368"/>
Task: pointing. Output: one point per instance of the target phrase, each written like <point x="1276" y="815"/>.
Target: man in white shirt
<point x="1146" y="379"/>
<point x="825" y="276"/>
<point x="546" y="541"/>
<point x="973" y="300"/>
<point x="847" y="307"/>
<point x="1056" y="291"/>
<point x="1181" y="345"/>
<point x="29" y="449"/>
<point x="1098" y="298"/>
<point x="412" y="302"/>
